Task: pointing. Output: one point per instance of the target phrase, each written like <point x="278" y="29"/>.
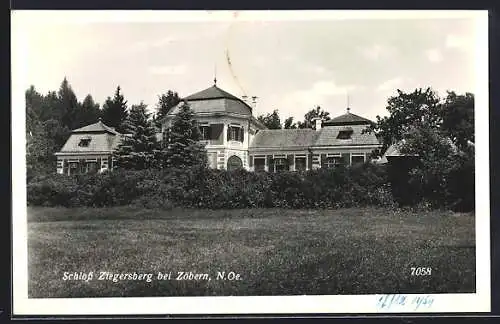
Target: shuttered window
<point x="215" y="133"/>
<point x="358" y="158"/>
<point x="235" y="133"/>
<point x="205" y="132"/>
<point x="259" y="163"/>
<point x="300" y="163"/>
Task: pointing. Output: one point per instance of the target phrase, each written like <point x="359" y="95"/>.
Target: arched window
<point x="234" y="163"/>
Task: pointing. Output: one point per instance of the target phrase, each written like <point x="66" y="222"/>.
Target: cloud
<point x="144" y="45"/>
<point x="163" y="41"/>
<point x="329" y="88"/>
<point x="260" y="61"/>
<point x="320" y="93"/>
<point x="459" y="42"/>
<point x="391" y="84"/>
<point x="314" y="69"/>
<point x="168" y="70"/>
<point x="377" y="52"/>
<point x="434" y="55"/>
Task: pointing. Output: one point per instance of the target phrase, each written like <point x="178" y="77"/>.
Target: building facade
<point x="88" y="150"/>
<point x="226" y="123"/>
<point x="335" y="142"/>
<point x="234" y="139"/>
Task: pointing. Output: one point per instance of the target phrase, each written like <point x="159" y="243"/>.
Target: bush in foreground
<point x="198" y="187"/>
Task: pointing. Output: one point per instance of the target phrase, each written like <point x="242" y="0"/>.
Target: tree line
<point x="272" y="120"/>
<point x="50" y="118"/>
<point x="421" y="119"/>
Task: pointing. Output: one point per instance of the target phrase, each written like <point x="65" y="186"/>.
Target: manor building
<point x="234" y="138"/>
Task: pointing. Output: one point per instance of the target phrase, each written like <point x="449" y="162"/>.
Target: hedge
<point x="360" y="185"/>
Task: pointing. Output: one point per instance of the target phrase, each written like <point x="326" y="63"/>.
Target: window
<point x="300" y="164"/>
<point x="280" y="164"/>
<point x="332" y="161"/>
<point x="235" y="133"/>
<point x="344" y="134"/>
<point x="91" y="167"/>
<point x="234" y="163"/>
<point x="73" y="167"/>
<point x="165" y="137"/>
<point x="205" y="132"/>
<point x="84" y="142"/>
<point x="259" y="164"/>
<point x="358" y="158"/>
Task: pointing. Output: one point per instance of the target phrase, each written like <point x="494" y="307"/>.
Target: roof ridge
<point x="95" y="127"/>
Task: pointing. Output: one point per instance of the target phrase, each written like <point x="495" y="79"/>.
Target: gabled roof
<point x="98" y="127"/>
<point x="284" y="138"/>
<point x="347" y="119"/>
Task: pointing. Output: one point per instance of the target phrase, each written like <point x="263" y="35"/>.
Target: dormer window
<point x="345" y="133"/>
<point x="84" y="142"/>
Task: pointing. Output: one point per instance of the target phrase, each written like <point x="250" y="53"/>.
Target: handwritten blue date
<point x="404" y="302"/>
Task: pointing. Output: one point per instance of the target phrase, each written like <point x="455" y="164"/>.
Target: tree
<point x="309" y="116"/>
<point x="289" y="124"/>
<point x="45" y="139"/>
<point x="437" y="133"/>
<point x="114" y="112"/>
<point x="38" y="152"/>
<point x="458" y="119"/>
<point x="138" y="148"/>
<point x="166" y="101"/>
<point x="34" y="105"/>
<point x="69" y="105"/>
<point x="45" y="133"/>
<point x="406" y="111"/>
<point x="271" y="120"/>
<point x="183" y="148"/>
<point x="90" y="111"/>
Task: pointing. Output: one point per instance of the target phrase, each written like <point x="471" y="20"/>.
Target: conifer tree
<point x="183" y="148"/>
<point x="90" y="111"/>
<point x="68" y="105"/>
<point x="114" y="112"/>
<point x="138" y="147"/>
<point x="166" y="102"/>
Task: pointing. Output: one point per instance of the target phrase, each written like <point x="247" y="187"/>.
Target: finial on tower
<point x="215" y="74"/>
<point x="348" y="108"/>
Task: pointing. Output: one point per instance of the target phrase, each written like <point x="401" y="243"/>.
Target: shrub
<point x="198" y="187"/>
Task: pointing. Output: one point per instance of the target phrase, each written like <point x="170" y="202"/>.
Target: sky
<point x="291" y="64"/>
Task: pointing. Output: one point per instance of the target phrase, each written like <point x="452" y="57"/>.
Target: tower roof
<point x="213" y="92"/>
<point x="214" y="100"/>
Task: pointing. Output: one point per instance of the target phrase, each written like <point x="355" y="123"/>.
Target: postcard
<point x="250" y="162"/>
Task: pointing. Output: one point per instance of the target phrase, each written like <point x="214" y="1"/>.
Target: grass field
<point x="275" y="252"/>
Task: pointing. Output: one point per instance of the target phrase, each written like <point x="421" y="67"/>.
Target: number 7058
<point x="421" y="271"/>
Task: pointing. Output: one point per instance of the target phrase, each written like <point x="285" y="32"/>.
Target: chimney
<point x="254" y="102"/>
<point x="317" y="121"/>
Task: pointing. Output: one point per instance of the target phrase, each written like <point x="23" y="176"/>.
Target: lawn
<point x="274" y="251"/>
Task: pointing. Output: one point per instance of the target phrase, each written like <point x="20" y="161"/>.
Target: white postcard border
<point x="22" y="305"/>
